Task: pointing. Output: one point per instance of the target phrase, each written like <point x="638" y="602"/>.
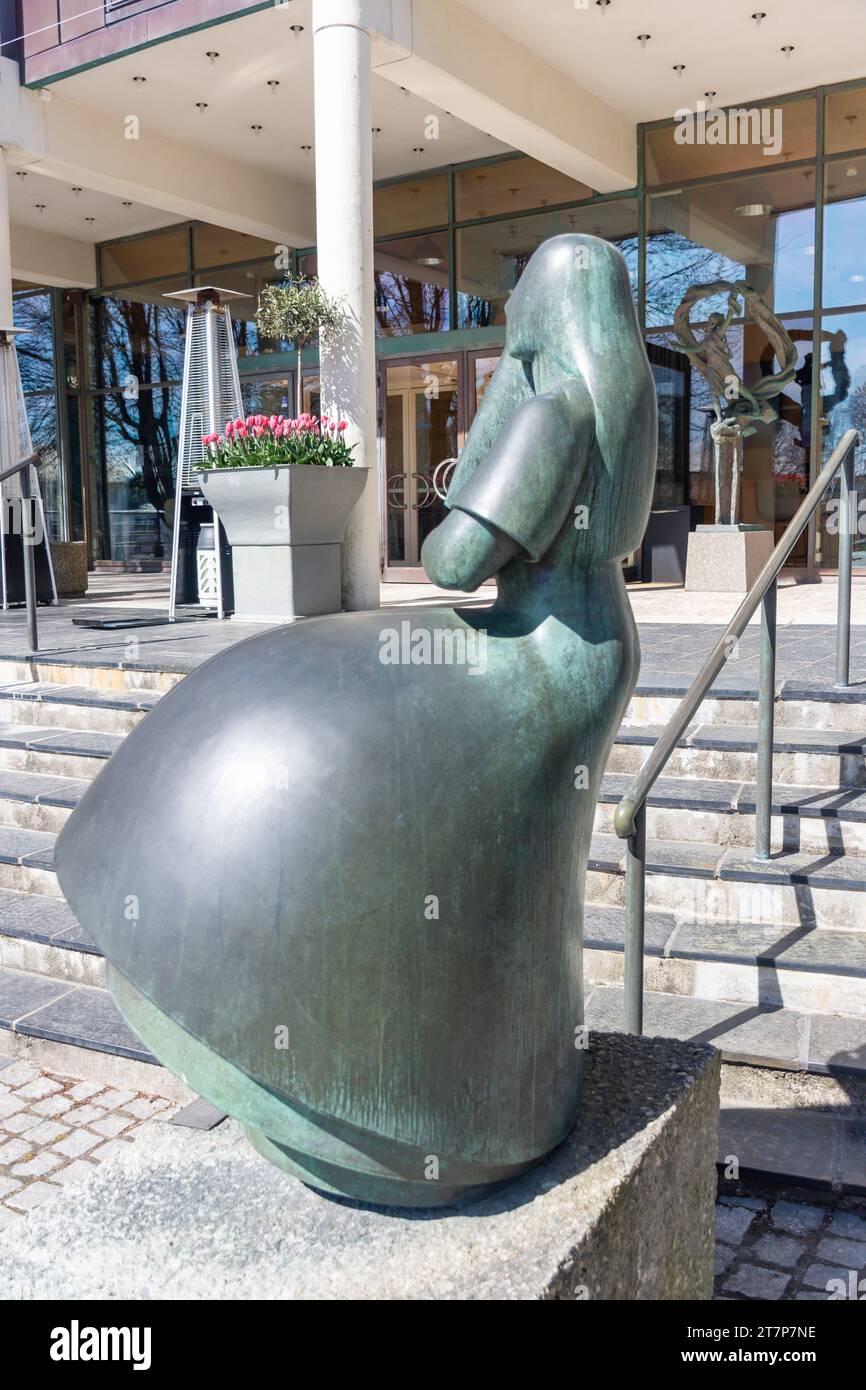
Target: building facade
<point x="770" y="190"/>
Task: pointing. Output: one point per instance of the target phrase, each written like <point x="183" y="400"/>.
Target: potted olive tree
<point x="284" y="488"/>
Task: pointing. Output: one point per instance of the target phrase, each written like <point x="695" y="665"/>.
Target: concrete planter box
<point x="285" y="526"/>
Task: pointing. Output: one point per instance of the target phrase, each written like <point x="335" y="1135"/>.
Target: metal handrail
<point x="630" y="816"/>
<point x="23" y="467"/>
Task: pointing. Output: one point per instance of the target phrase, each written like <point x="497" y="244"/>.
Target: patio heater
<point x="16" y="444"/>
<point x="200" y="553"/>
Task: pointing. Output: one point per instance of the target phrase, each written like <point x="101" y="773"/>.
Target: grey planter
<point x="285" y="526"/>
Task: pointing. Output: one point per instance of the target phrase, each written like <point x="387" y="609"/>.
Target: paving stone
<point x="778" y="1250"/>
<point x="38" y="1166"/>
<point x="51" y="1106"/>
<point x="84" y="1115"/>
<point x="732" y="1223"/>
<point x="143" y="1109"/>
<point x="723" y="1255"/>
<point x="8" y="1185"/>
<point x="13" y="1150"/>
<point x="39" y="1088"/>
<point x="32" y="1195"/>
<point x="74" y="1172"/>
<point x="799" y="1218"/>
<point x="48" y="1132"/>
<point x="838" y="1251"/>
<point x="10" y="1105"/>
<point x="819" y="1276"/>
<point x="112" y="1125"/>
<point x="18" y="1124"/>
<point x="113" y="1100"/>
<point x="114" y="1146"/>
<point x="76" y="1143"/>
<point x="809" y="1296"/>
<point x="19" y="1074"/>
<point x="85" y="1089"/>
<point x="757" y="1282"/>
<point x="848" y="1225"/>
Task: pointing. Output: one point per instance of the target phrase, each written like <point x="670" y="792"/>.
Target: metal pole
<point x="847" y="527"/>
<point x="766" y="722"/>
<point x="28" y="542"/>
<point x="635" y="908"/>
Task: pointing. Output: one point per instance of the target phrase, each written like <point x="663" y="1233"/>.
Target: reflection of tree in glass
<point x="35" y="347"/>
<point x="404" y="305"/>
<point x="674" y="264"/>
<point x="144" y="341"/>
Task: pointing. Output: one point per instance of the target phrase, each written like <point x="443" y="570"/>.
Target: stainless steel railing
<point x="28" y="540"/>
<point x="630" y="816"/>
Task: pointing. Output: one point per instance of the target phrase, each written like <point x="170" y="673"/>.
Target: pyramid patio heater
<point x="16" y="444"/>
<point x="200" y="553"/>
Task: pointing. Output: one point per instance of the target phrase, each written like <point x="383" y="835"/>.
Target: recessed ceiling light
<point x="273" y="83"/>
<point x="20" y="173"/>
<point x="643" y="39"/>
<point x="418" y="149"/>
<point x="40" y="207"/>
<point x="754" y="210"/>
<point x="679" y="67"/>
<point x="76" y="189"/>
<point x="787" y="49"/>
<point x="602" y="4"/>
<point x="711" y="96"/>
<point x="296" y="29"/>
<point x="212" y="55"/>
<point x="139" y="80"/>
<point x="256" y="129"/>
<point x="758" y="16"/>
<point x="377" y="130"/>
<point x="126" y="203"/>
<point x="305" y="149"/>
<point x="90" y="219"/>
<point x="201" y="106"/>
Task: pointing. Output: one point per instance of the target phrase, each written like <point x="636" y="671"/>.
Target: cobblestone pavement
<point x="770" y="1247"/>
<point x="55" y="1129"/>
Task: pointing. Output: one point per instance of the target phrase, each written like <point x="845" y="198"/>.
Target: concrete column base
<point x="623" y="1209"/>
<point x="727" y="559"/>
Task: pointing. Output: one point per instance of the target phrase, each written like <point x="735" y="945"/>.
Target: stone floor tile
<point x="820" y="1276"/>
<point x="76" y="1143"/>
<point x="48" y="1132"/>
<point x="757" y="1282"/>
<point x="732" y="1223"/>
<point x="13" y="1151"/>
<point x="24" y="1120"/>
<point x="26" y="1198"/>
<point x="114" y="1146"/>
<point x="112" y="1100"/>
<point x="10" y="1105"/>
<point x="778" y="1250"/>
<point x="797" y="1217"/>
<point x="112" y="1125"/>
<point x="723" y="1254"/>
<point x="37" y="1166"/>
<point x="144" y="1108"/>
<point x="77" y="1171"/>
<point x="51" y="1106"/>
<point x="848" y="1225"/>
<point x="38" y="1088"/>
<point x="8" y="1185"/>
<point x="85" y="1089"/>
<point x="836" y="1250"/>
<point x="84" y="1115"/>
<point x="19" y="1074"/>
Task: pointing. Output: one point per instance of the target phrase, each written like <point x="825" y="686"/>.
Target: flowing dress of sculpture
<point x="338" y="879"/>
<point x="736" y="405"/>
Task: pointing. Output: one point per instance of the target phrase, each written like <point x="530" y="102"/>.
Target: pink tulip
<point x="343" y="425"/>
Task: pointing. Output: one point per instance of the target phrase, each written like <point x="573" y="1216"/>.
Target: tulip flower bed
<point x="268" y="441"/>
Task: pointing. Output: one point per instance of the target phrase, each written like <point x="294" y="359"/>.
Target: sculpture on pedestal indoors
<point x="736" y="405"/>
<point x="338" y="871"/>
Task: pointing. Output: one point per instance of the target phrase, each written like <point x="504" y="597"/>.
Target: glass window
<point x="140" y="336"/>
<point x="42" y="418"/>
<point x="267" y="395"/>
<point x="845" y="121"/>
<point x="410" y="204"/>
<point x="137" y="451"/>
<point x="144" y="258"/>
<point x="512" y="186"/>
<point x="843" y="407"/>
<point x="35" y="348"/>
<point x="711" y="141"/>
<point x="412" y="285"/>
<point x="491" y="258"/>
<point x="215" y="246"/>
<point x="249" y="280"/>
<point x="761" y="229"/>
<point x="845" y="233"/>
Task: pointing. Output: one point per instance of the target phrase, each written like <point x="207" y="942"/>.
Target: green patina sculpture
<point x="356" y="846"/>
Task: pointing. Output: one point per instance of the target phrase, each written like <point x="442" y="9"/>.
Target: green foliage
<point x="297" y="310"/>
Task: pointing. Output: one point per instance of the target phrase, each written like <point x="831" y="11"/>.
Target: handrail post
<point x="635" y="909"/>
<point x="847" y="528"/>
<point x="766" y="724"/>
<point x="28" y="543"/>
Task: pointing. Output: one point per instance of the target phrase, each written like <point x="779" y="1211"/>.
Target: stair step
<point x="55" y="750"/>
<point x="801" y="757"/>
<point x="80" y="707"/>
<point x="809" y="705"/>
<point x="701" y="880"/>
<point x="32" y="1006"/>
<point x="750" y="1034"/>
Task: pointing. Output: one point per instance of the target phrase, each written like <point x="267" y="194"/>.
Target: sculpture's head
<point x="572" y="315"/>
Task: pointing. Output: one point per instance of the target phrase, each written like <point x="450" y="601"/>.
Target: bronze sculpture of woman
<point x="339" y="891"/>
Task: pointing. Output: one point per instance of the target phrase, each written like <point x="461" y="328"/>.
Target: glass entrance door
<point x="422" y="428"/>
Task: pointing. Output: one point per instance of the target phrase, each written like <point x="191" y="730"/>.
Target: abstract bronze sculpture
<point x="339" y="881"/>
<point x="736" y="406"/>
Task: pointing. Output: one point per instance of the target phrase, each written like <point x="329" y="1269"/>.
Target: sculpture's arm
<point x="517" y="500"/>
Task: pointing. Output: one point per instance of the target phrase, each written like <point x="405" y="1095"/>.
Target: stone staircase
<point x="765" y="960"/>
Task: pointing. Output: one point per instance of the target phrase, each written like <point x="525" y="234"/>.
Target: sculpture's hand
<point x="463" y="552"/>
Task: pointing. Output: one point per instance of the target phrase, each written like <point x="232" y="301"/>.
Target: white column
<point x="344" y="240"/>
<point x="5" y="246"/>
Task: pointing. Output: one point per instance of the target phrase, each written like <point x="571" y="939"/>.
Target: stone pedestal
<point x="69" y="559"/>
<point x="727" y="559"/>
<point x="622" y="1210"/>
